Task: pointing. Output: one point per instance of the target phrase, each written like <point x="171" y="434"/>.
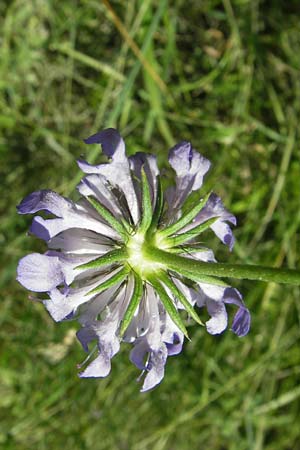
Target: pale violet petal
<point x="156" y="368"/>
<point x="89" y="311"/>
<point x="69" y="215"/>
<point x="190" y="294"/>
<point x="66" y="301"/>
<point x="46" y="229"/>
<point x="69" y="263"/>
<point x="172" y="336"/>
<point x="117" y="172"/>
<point x="39" y="273"/>
<point x="218" y="322"/>
<point x="95" y="185"/>
<point x="149" y="352"/>
<point x="143" y="319"/>
<point x="212" y="291"/>
<point x="100" y="367"/>
<point x="175" y="347"/>
<point x="62" y="303"/>
<point x="106" y="333"/>
<point x="81" y="242"/>
<point x="190" y="168"/>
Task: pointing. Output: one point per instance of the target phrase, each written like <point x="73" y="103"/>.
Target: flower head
<point x="109" y="263"/>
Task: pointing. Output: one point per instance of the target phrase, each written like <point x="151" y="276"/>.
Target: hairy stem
<point x="240" y="271"/>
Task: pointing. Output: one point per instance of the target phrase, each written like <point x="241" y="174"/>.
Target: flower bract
<point x="105" y="264"/>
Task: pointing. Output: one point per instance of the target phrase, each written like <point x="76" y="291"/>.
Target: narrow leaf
<point x="181" y="238"/>
<point x="119" y="255"/>
<point x="199" y="278"/>
<point x="186" y="219"/>
<point x="159" y="205"/>
<point x="187" y="249"/>
<point x="146" y="203"/>
<point x="113" y="222"/>
<point x="117" y="278"/>
<point x="169" y="305"/>
<point x="127" y="226"/>
<point x="134" y="302"/>
<point x="180" y="296"/>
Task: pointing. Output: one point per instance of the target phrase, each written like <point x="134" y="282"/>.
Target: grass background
<point x="223" y="74"/>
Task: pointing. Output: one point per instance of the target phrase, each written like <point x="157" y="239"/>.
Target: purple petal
<point x="145" y="324"/>
<point x="144" y="319"/>
<point x="39" y="227"/>
<point x="85" y="335"/>
<point x="111" y="142"/>
<point x="187" y="162"/>
<point x="150" y="346"/>
<point x="233" y="296"/>
<point x="45" y="200"/>
<point x="224" y="233"/>
<point x="242" y="319"/>
<point x="40" y="273"/>
<point x="64" y="302"/>
<point x="170" y="195"/>
<point x="241" y="322"/>
<point x="70" y="215"/>
<point x="138" y="354"/>
<point x="175" y="346"/>
<point x="170" y="333"/>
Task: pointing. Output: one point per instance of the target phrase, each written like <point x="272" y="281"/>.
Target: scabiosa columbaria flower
<point x="109" y="263"/>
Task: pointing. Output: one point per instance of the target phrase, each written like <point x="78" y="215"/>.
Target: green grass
<point x="223" y="74"/>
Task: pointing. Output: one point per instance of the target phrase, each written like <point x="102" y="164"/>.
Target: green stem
<point x="240" y="271"/>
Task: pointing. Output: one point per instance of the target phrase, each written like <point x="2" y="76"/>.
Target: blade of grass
<point x="138" y="53"/>
<point x="88" y="61"/>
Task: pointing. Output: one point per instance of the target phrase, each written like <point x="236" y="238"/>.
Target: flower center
<point x="137" y="259"/>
